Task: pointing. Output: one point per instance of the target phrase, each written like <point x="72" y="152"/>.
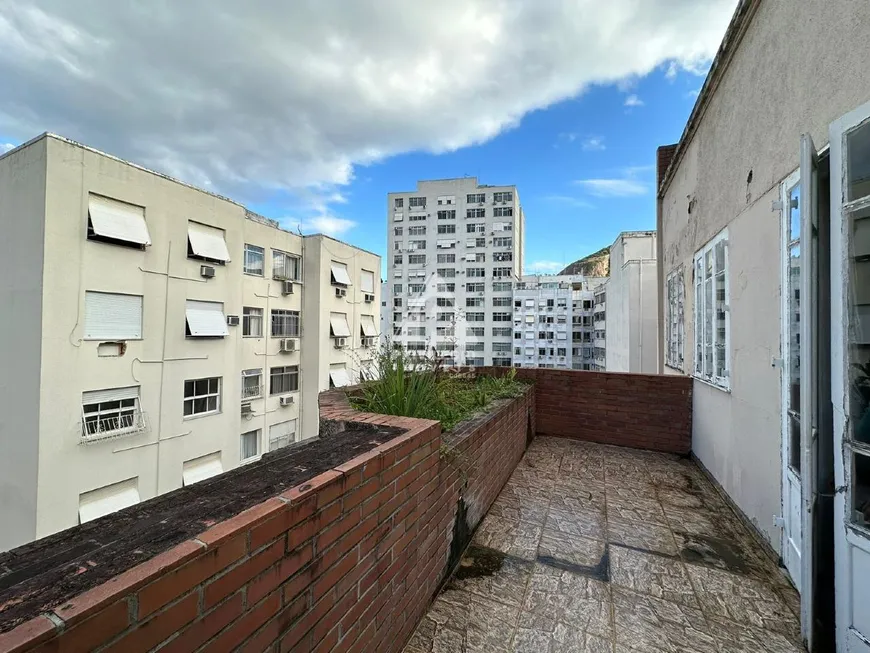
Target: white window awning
<point x="446" y="244"/>
<point x="199" y="469"/>
<point x="367" y="281"/>
<point x="118" y="220"/>
<point x="206" y="319"/>
<point x="367" y="322"/>
<point x="339" y="274"/>
<point x="110" y="394"/>
<point x="108" y="499"/>
<point x="112" y="316"/>
<point x="418" y="214"/>
<point x="416" y="303"/>
<point x="338" y="325"/>
<point x="398" y="217"/>
<point x="339" y="377"/>
<point x="207" y="242"/>
<point x="561" y="336"/>
<point x="530" y="319"/>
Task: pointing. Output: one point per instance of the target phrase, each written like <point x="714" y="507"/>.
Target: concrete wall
<point x="797" y="69"/>
<point x="22" y="205"/>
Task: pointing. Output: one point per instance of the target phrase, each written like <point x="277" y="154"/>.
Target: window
<point x="286" y="267"/>
<point x="111" y="316"/>
<point x="444" y="317"/>
<point x="502" y="286"/>
<point x="447" y="215"/>
<point x="445" y="331"/>
<point x="502" y="226"/>
<point x="501" y="301"/>
<point x="446" y="228"/>
<point x="419" y="217"/>
<point x="110" y="413"/>
<point x="501" y="317"/>
<point x="446" y="199"/>
<point x="447" y="302"/>
<point x="397" y="302"/>
<point x="475" y="228"/>
<point x="419" y="230"/>
<point x="561" y="351"/>
<point x="397" y="317"/>
<point x="503" y="241"/>
<point x="398" y="231"/>
<point x="414" y="245"/>
<point x="474" y="346"/>
<point x="338" y="274"/>
<point x="252" y="384"/>
<point x="282" y="434"/>
<point x="118" y="223"/>
<point x="398" y="203"/>
<point x="397" y="259"/>
<point x="250" y="445"/>
<point x="551" y="303"/>
<point x="417" y="259"/>
<point x="417" y="331"/>
<point x="417" y="202"/>
<point x="502" y="272"/>
<point x="475" y="317"/>
<point x="255" y="260"/>
<point x="446" y="244"/>
<point x="285" y="324"/>
<point x="338" y="327"/>
<point x="283" y="379"/>
<point x="446" y="273"/>
<point x="474" y="287"/>
<point x="414" y="288"/>
<point x="398" y="217"/>
<point x="108" y="499"/>
<point x="502" y="256"/>
<point x="474" y="332"/>
<point x="252" y="322"/>
<point x="475" y="198"/>
<point x="446" y="287"/>
<point x="503" y="211"/>
<point x="202" y="396"/>
<point x="502" y="332"/>
<point x="367" y="281"/>
<point x="205" y="320"/>
<point x="207" y="243"/>
<point x="474" y="362"/>
<point x="542" y="351"/>
<point x="505" y="196"/>
<point x="712" y="328"/>
<point x="475" y="272"/>
<point x="447" y="258"/>
<point x="475" y="213"/>
<point x="474" y="302"/>
<point x="674" y="324"/>
<point x="397" y="289"/>
<point x="415" y="346"/>
<point x="518" y="335"/>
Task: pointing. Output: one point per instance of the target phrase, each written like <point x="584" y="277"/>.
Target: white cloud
<point x="613" y="187"/>
<point x="544" y="267"/>
<point x="323" y="224"/>
<point x="594" y="144"/>
<point x="633" y="101"/>
<point x="5" y="147"/>
<point x="262" y="99"/>
<point x="570" y="201"/>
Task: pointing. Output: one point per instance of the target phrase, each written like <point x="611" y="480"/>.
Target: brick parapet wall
<point x="347" y="561"/>
<point x="644" y="411"/>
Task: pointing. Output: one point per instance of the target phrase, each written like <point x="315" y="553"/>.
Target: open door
<point x="850" y="379"/>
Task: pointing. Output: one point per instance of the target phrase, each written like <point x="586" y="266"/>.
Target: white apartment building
<point x="551" y="321"/>
<point x="455" y="250"/>
<point x="159" y="334"/>
<point x="599" y="332"/>
<point x="631" y="317"/>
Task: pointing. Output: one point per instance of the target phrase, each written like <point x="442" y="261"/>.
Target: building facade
<point x="161" y="334"/>
<point x="543" y="310"/>
<point x="631" y="318"/>
<point x="599" y="330"/>
<point x="763" y="280"/>
<point x="455" y="251"/>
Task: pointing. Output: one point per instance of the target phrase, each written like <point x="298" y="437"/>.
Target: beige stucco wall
<point x="22" y="200"/>
<point x="799" y="67"/>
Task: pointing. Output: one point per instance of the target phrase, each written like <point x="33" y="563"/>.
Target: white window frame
<point x="286" y="373"/>
<point x="255" y="437"/>
<point x="367" y="281"/>
<point x="248" y="392"/>
<point x="252" y="315"/>
<point x="717" y="378"/>
<point x="675" y="319"/>
<point x="251" y="252"/>
<point x="282" y="266"/>
<point x="127" y="414"/>
<point x="284" y="323"/>
<point x="193" y="397"/>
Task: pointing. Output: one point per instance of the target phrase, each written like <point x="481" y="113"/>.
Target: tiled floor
<point x="597" y="549"/>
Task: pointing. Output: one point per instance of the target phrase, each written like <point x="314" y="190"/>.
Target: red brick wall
<point x="348" y="561"/>
<point x="644" y="411"/>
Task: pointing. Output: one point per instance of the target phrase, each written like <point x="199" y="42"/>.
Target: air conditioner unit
<point x="285" y="401"/>
<point x="368" y="342"/>
<point x="340" y="343"/>
<point x="286" y="287"/>
<point x="341" y="292"/>
<point x="247" y="409"/>
<point x="287" y="345"/>
<point x="206" y="271"/>
<point x="369" y="299"/>
<point x="232" y="320"/>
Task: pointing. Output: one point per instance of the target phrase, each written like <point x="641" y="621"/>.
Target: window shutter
<point x="208" y="242"/>
<point x="339" y="377"/>
<point x="367" y="281"/>
<point x="338" y="324"/>
<point x="339" y="274"/>
<point x="118" y="220"/>
<point x="201" y="468"/>
<point x="206" y="319"/>
<point x="111" y="394"/>
<point x="111" y="316"/>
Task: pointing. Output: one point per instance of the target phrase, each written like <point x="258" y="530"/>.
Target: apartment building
<point x="631" y="320"/>
<point x="553" y="321"/>
<point x="159" y="334"/>
<point x="764" y="281"/>
<point x="455" y="251"/>
<point x="599" y="328"/>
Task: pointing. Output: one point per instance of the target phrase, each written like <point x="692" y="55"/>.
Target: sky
<point x="310" y="113"/>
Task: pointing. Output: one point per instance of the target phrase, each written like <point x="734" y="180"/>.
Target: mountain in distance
<point x="594" y="265"/>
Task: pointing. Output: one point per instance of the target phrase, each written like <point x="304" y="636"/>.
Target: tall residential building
<point x="159" y="334"/>
<point x="631" y="326"/>
<point x="455" y="250"/>
<point x="551" y="321"/>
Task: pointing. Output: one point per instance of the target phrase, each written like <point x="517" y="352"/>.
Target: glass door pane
<point x="794" y="325"/>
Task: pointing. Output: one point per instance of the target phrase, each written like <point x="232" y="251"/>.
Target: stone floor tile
<point x="722" y="524"/>
<point x="577" y="498"/>
<point x="573" y="550"/>
<point x="740" y="638"/>
<point x="585" y="523"/>
<point x="656" y="575"/>
<point x="574" y="600"/>
<point x="492" y="575"/>
<point x="537" y="633"/>
<point x="580" y="472"/>
<point x="641" y="535"/>
<point x="742" y="599"/>
<point x="515" y="508"/>
<point x="531" y="478"/>
<point x="651" y="625"/>
<point x="633" y="506"/>
<point x="519" y="539"/>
